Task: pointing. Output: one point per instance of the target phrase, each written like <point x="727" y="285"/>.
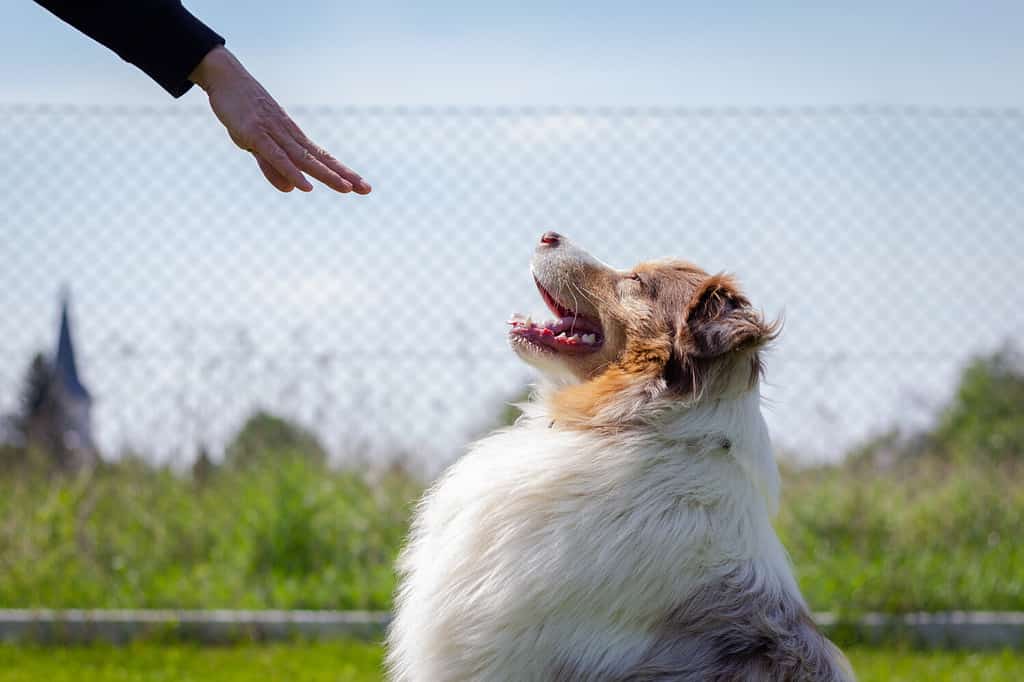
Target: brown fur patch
<point x="642" y="362"/>
<point x="683" y="331"/>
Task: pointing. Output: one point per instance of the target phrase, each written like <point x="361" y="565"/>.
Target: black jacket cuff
<point x="171" y="45"/>
<point x="159" y="36"/>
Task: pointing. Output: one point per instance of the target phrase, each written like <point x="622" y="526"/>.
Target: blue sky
<point x="537" y="53"/>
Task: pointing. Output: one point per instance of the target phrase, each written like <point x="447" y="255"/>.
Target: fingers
<point x="325" y="159"/>
<point x="283" y="153"/>
<point x="359" y="185"/>
<point x="308" y="162"/>
<point x="269" y="151"/>
<point x="273" y="177"/>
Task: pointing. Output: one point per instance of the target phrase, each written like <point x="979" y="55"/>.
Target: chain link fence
<point x="891" y="240"/>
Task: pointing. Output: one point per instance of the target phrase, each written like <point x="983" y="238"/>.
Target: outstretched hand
<point x="258" y="124"/>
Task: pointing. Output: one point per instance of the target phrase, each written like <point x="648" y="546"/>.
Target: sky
<point x="569" y="53"/>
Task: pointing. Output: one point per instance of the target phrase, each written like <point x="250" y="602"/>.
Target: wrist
<point x="217" y="67"/>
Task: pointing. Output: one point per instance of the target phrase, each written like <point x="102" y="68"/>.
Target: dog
<point x="620" y="530"/>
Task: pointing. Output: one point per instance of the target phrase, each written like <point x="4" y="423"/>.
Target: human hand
<point x="258" y="124"/>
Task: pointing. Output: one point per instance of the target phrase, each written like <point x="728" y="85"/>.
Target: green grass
<point x="291" y="535"/>
<point x="294" y="535"/>
<point x="883" y="665"/>
<point x="353" y="662"/>
<point x="336" y="662"/>
<point x="927" y="537"/>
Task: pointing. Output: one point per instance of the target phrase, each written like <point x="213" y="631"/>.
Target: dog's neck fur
<point x="732" y="423"/>
<point x="710" y="459"/>
<point x="737" y="419"/>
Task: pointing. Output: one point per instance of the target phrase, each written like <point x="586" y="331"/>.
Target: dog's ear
<point x="720" y="320"/>
<point x="716" y="321"/>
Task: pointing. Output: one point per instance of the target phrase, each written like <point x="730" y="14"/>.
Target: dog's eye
<point x="636" y="278"/>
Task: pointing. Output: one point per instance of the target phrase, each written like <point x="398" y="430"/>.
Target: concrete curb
<point x="75" y="626"/>
<point x="951" y="629"/>
<point x="956" y="629"/>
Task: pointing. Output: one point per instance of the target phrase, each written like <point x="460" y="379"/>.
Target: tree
<point x="265" y="437"/>
<point x="986" y="415"/>
<point x="35" y="388"/>
<point x="203" y="468"/>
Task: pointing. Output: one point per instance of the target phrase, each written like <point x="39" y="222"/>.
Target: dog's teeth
<point x="589" y="338"/>
<point x="575" y="338"/>
<point x="561" y="335"/>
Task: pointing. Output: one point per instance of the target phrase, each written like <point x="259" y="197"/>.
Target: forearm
<point x="159" y="36"/>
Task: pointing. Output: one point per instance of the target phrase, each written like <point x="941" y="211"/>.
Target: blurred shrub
<point x="983" y="421"/>
<point x="128" y="535"/>
<point x="986" y="416"/>
<point x="276" y="528"/>
<point x="265" y="437"/>
<point x="935" y="536"/>
<point x="930" y="536"/>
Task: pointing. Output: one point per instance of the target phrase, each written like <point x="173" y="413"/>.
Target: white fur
<point x="546" y="545"/>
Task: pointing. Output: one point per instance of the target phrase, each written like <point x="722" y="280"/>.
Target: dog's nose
<point x="551" y="238"/>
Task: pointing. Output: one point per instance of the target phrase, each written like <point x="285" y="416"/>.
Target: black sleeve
<point x="159" y="36"/>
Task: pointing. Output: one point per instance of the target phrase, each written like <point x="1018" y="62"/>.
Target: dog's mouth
<point x="570" y="332"/>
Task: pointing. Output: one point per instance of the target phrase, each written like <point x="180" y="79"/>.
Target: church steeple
<point x="57" y="417"/>
<point x="65" y="368"/>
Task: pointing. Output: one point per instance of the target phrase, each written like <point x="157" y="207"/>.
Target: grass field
<point x="297" y="536"/>
<point x="354" y="662"/>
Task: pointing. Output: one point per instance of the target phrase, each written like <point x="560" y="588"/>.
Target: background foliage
<point x="925" y="521"/>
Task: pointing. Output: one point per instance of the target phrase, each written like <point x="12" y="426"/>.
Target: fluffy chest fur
<point x="554" y="554"/>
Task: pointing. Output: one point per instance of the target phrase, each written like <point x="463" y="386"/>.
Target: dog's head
<point x="623" y="338"/>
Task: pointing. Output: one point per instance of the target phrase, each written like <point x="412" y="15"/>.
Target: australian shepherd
<point x="620" y="530"/>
